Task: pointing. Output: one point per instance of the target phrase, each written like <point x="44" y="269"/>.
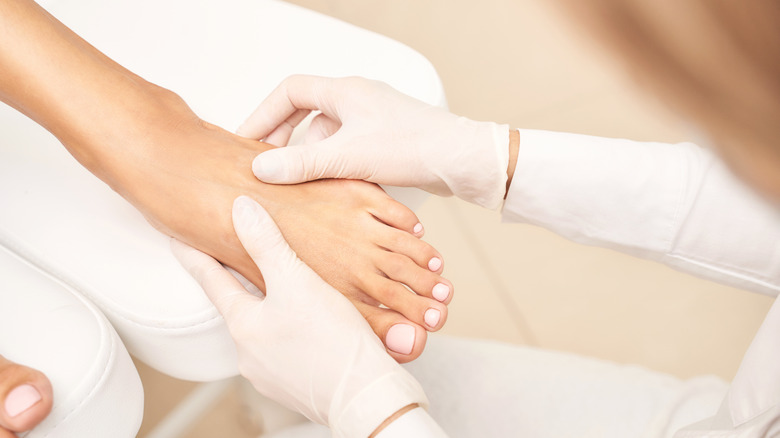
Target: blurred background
<point x="519" y="62"/>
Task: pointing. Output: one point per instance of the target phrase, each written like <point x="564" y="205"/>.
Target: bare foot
<point x="184" y="175"/>
<point x="25" y="396"/>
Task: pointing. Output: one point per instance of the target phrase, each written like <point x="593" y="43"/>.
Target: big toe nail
<point x="400" y="338"/>
<point x="20" y="399"/>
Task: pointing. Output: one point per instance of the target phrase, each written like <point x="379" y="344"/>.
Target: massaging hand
<point x="304" y="344"/>
<point x="368" y="130"/>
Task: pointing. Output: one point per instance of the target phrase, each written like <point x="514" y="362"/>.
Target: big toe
<point x="25" y="396"/>
<point x="403" y="339"/>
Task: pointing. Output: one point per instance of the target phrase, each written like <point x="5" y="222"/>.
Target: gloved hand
<point x="303" y="344"/>
<point x="370" y="131"/>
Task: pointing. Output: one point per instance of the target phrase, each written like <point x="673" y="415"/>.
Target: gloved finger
<point x="294" y="93"/>
<point x="282" y="133"/>
<point x="263" y="241"/>
<point x="221" y="287"/>
<point x="321" y="127"/>
<point x="297" y="164"/>
<point x="248" y="285"/>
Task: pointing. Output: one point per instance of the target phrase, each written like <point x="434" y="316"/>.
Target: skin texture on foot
<point x="183" y="175"/>
<point x="25" y="398"/>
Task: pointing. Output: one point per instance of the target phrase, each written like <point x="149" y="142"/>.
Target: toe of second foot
<point x="25" y="397"/>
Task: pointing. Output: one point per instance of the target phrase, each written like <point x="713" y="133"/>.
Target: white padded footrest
<point x="222" y="58"/>
<point x="48" y="327"/>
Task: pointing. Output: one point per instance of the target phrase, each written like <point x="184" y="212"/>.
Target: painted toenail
<point x="434" y="264"/>
<point x="441" y="291"/>
<point x="21" y="399"/>
<point x="400" y="338"/>
<point x="432" y="317"/>
<point x="418" y="228"/>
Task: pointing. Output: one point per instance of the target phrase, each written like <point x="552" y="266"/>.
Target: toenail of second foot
<point x="400" y="338"/>
<point x="441" y="291"/>
<point x="434" y="264"/>
<point x="20" y="399"/>
<point x="432" y="317"/>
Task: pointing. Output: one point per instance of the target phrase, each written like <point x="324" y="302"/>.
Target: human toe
<point x="399" y="216"/>
<point x="421" y="252"/>
<point x="420" y="280"/>
<point x="403" y="339"/>
<point x="25" y="396"/>
<point x="397" y="297"/>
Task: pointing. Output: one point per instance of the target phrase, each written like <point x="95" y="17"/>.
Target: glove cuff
<point x="481" y="178"/>
<point x="376" y="403"/>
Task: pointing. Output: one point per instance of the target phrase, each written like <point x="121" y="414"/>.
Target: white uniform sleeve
<point x="675" y="203"/>
<point x="415" y="423"/>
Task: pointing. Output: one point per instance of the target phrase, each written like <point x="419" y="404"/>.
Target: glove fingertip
<point x="242" y="130"/>
<point x="259" y="234"/>
<point x="268" y="167"/>
<point x="247" y="215"/>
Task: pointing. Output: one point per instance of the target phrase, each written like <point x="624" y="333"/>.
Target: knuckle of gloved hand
<point x="358" y="86"/>
<point x="320" y="166"/>
<point x="293" y="79"/>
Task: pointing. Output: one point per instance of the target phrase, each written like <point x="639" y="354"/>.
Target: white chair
<point x="49" y="327"/>
<point x="222" y="58"/>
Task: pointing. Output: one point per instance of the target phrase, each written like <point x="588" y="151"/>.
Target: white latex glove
<point x="370" y="131"/>
<point x="304" y="344"/>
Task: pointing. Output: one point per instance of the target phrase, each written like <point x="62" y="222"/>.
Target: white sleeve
<point x="674" y="203"/>
<point x="416" y="423"/>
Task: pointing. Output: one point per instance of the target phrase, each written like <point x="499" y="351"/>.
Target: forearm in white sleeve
<point x="416" y="423"/>
<point x="675" y="203"/>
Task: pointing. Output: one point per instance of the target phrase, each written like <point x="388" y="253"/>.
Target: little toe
<point x="397" y="215"/>
<point x="403" y="339"/>
<point x="25" y="396"/>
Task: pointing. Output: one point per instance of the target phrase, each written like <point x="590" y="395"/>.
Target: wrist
<point x="415" y="422"/>
<point x="375" y="404"/>
<point x="514" y="147"/>
<point x="392" y="418"/>
<point x="480" y="174"/>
